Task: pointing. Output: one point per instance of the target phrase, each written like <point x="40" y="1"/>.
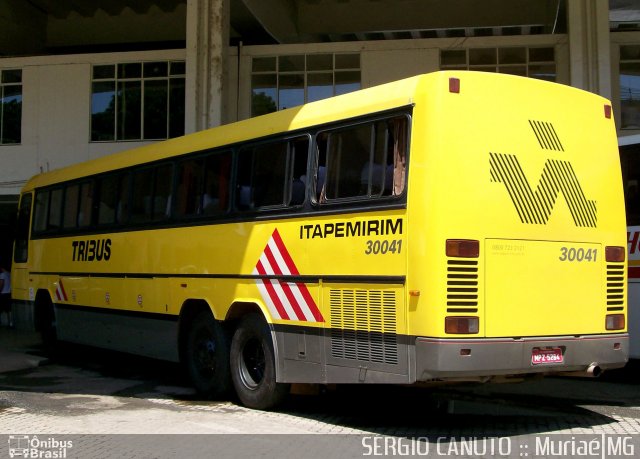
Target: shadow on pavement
<point x="534" y="406"/>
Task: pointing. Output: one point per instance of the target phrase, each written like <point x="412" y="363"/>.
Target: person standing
<point x="5" y="294"/>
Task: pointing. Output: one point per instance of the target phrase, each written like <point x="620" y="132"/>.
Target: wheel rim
<point x="252" y="363"/>
<point x="204" y="355"/>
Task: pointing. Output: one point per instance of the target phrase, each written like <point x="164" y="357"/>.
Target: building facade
<point x="80" y="80"/>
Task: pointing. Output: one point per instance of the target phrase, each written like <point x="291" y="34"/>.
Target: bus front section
<point x="519" y="231"/>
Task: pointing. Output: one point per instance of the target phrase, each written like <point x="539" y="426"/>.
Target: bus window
<point x="300" y="158"/>
<point x="41" y="212"/>
<point x="152" y="194"/>
<point x="142" y="196"/>
<point x="21" y="247"/>
<point x="189" y="191"/>
<point x="86" y="202"/>
<point x="348" y="156"/>
<point x="55" y="209"/>
<point x="107" y="199"/>
<point x="265" y="174"/>
<point x="261" y="176"/>
<point x="71" y="195"/>
<point x="398" y="143"/>
<point x="363" y="161"/>
<point x="162" y="192"/>
<point x="217" y="171"/>
<point x="124" y="198"/>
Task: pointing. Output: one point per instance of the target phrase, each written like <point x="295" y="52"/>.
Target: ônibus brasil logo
<point x="33" y="447"/>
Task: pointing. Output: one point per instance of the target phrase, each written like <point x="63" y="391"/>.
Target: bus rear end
<point x="518" y="249"/>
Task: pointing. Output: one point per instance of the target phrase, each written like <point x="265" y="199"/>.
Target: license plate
<point x="546" y="356"/>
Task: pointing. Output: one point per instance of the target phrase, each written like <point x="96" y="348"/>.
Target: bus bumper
<point x="440" y="359"/>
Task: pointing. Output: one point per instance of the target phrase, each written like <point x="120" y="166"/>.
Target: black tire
<point x="253" y="367"/>
<point x="206" y="356"/>
<point x="46" y="325"/>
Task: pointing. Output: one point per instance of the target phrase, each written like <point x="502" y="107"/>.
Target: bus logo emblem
<point x="287" y="300"/>
<point x="535" y="206"/>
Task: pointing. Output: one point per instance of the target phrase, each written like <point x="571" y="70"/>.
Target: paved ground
<point x="88" y="395"/>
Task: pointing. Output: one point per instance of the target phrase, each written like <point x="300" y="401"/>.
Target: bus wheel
<point x="253" y="367"/>
<point x="46" y="323"/>
<point x="207" y="356"/>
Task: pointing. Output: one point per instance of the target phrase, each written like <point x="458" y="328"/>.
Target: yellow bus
<point x="454" y="226"/>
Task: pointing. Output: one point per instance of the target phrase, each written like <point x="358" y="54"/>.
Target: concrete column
<point x="207" y="49"/>
<point x="590" y="53"/>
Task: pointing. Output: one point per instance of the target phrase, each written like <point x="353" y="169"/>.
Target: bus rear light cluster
<point x="461" y="325"/>
<point x="614" y="322"/>
<point x="463" y="248"/>
<point x="614" y="254"/>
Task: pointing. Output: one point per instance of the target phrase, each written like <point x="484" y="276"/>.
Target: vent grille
<point x="363" y="325"/>
<point x="462" y="286"/>
<point x="615" y="286"/>
<point x="546" y="135"/>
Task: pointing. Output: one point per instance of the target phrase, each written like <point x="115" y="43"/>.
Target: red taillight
<point x="461" y="325"/>
<point x="454" y="85"/>
<point x="607" y="111"/>
<point x="463" y="248"/>
<point x="614" y="322"/>
<point x="614" y="254"/>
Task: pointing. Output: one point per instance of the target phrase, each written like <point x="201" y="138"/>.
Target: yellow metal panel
<point x="538" y="288"/>
<point x="455" y="194"/>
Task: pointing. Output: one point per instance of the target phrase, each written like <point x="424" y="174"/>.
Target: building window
<point x="281" y="82"/>
<point x="137" y="101"/>
<point x="531" y="62"/>
<point x="10" y="107"/>
<point x="630" y="87"/>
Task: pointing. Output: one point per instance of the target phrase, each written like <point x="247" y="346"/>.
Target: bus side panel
<point x="140" y="335"/>
<point x="359" y="334"/>
<point x="114" y="314"/>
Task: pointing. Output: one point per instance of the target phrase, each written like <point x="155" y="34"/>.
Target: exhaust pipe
<point x="594" y="370"/>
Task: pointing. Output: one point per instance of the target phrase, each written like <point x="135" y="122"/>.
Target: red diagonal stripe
<point x="285" y="253"/>
<point x="285" y="287"/>
<point x="64" y="294"/>
<point x="313" y="307"/>
<point x="272" y="292"/>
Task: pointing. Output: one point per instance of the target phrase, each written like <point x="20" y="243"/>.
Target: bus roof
<point x="372" y="100"/>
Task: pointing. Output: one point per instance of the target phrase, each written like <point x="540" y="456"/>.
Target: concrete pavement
<point x="19" y="350"/>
